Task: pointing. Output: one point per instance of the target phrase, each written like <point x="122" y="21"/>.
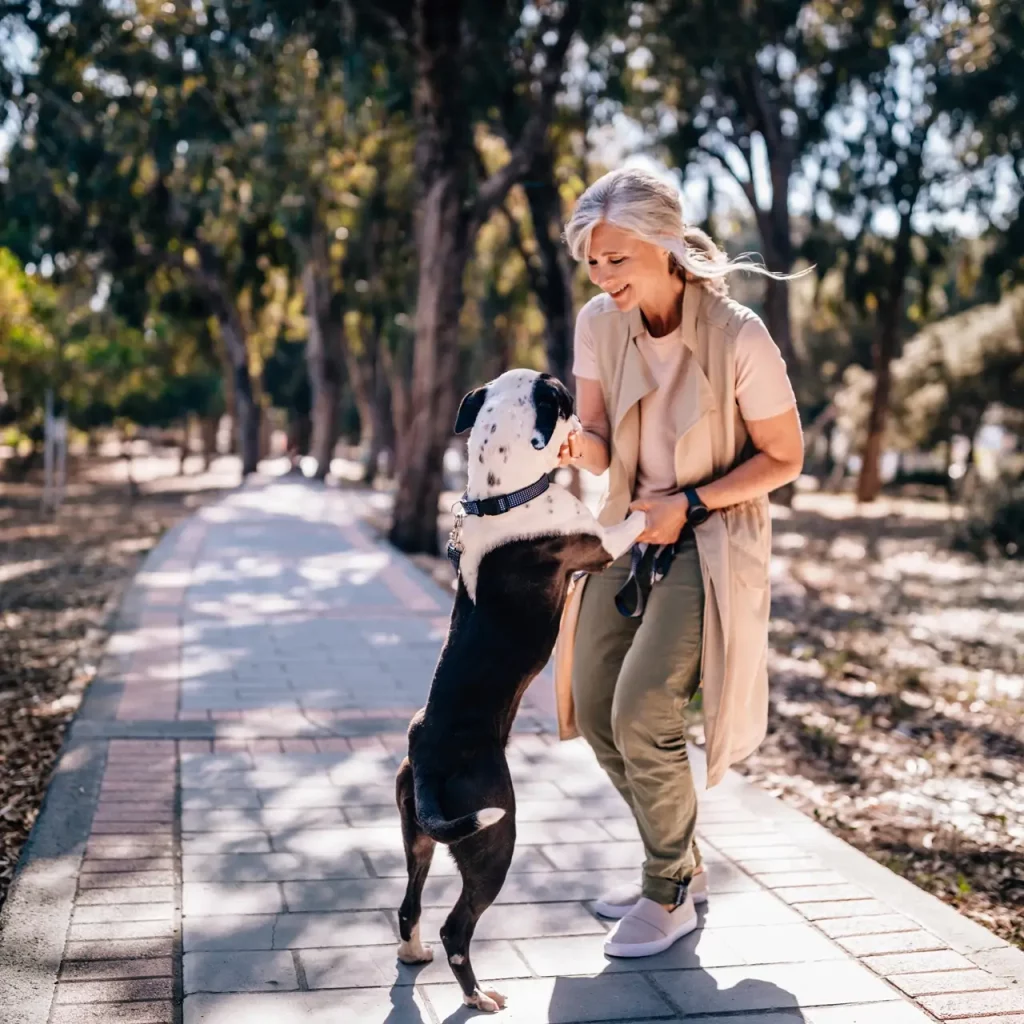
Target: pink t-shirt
<point x="763" y="390"/>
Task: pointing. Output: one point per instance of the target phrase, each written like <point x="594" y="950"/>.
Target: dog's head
<point x="517" y="423"/>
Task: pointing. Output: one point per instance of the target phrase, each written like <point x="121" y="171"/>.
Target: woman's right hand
<point x="572" y="450"/>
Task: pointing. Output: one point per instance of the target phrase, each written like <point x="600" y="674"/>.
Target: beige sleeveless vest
<point x="734" y="545"/>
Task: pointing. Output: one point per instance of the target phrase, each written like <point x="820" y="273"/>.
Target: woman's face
<point x="629" y="269"/>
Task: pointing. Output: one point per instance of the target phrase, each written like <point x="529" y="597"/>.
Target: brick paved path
<point x="220" y="844"/>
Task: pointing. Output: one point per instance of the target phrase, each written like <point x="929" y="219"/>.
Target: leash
<point x="648" y="564"/>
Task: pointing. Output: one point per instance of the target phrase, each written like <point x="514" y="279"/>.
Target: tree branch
<point x="533" y="272"/>
<point x="493" y="191"/>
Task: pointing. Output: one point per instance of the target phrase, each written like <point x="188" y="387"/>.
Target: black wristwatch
<point x="698" y="512"/>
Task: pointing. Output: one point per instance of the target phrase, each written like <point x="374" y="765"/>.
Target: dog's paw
<point x="485" y="999"/>
<point x="414" y="952"/>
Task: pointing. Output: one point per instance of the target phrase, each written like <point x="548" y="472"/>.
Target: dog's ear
<point x="470" y="409"/>
<point x="552" y="401"/>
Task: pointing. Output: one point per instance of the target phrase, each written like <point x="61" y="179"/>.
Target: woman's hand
<point x="666" y="517"/>
<point x="572" y="450"/>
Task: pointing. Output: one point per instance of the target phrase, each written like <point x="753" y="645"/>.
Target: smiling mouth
<point x="618" y="291"/>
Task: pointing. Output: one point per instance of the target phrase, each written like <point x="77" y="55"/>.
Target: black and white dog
<point x="520" y="543"/>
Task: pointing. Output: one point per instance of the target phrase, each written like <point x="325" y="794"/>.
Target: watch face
<point x="699" y="515"/>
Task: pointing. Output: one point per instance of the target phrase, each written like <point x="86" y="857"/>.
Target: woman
<point x="684" y="398"/>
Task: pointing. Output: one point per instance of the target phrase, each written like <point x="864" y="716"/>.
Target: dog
<point x="515" y="565"/>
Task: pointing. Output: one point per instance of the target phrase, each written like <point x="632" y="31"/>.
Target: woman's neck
<point x="663" y="312"/>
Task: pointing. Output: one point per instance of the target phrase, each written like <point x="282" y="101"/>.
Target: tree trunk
<point x="444" y="152"/>
<point x="222" y="305"/>
<point x="443" y="252"/>
<point x="869" y="483"/>
<point x="323" y="355"/>
<point x="208" y="427"/>
<point x="445" y="227"/>
<point x="553" y="285"/>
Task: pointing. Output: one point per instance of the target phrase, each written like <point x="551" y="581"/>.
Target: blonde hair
<point x="642" y="204"/>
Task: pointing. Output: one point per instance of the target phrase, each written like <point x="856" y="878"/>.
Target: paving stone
<point x="155" y="1012"/>
<point x="872" y="1013"/>
<point x="521" y="921"/>
<point x="106" y="930"/>
<point x="123" y="912"/>
<point x="269" y="867"/>
<point x="192" y="800"/>
<point x="772" y="987"/>
<point x="821" y="893"/>
<point x="842" y="908"/>
<point x="744" y="853"/>
<point x="127" y="894"/>
<point x="253" y="971"/>
<point x="536" y="833"/>
<point x="363" y="894"/>
<point x="584" y="955"/>
<point x="910" y="963"/>
<point x="365" y="1006"/>
<point x="590" y="856"/>
<point x="225" y="843"/>
<point x="895" y="942"/>
<point x="391" y="863"/>
<point x="974" y="1004"/>
<point x="732" y="910"/>
<point x="103" y="970"/>
<point x="937" y="982"/>
<point x="622" y="997"/>
<point x="93" y="868"/>
<point x="330" y="842"/>
<point x="116" y="949"/>
<point x="378" y="965"/>
<point x="224" y="933"/>
<point x="841" y="927"/>
<point x="557" y="886"/>
<point x="122" y="990"/>
<point x="125" y="879"/>
<point x="199" y="898"/>
<point x="350" y="928"/>
<point x="776" y="879"/>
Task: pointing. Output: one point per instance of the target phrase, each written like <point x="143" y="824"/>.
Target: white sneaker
<point x="649" y="928"/>
<point x="621" y="900"/>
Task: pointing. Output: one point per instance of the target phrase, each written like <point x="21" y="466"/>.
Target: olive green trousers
<point x="632" y="679"/>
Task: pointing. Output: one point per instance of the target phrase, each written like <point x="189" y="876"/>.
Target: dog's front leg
<point x="620" y="538"/>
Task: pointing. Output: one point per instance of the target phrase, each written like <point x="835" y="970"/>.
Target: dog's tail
<point x="440" y="828"/>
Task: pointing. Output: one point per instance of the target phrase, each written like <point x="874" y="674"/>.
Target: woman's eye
<point x="617" y="261"/>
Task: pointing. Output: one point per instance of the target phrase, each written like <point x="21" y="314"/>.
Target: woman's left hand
<point x="666" y="517"/>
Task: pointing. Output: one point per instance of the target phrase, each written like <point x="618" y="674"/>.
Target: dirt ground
<point x="897" y="698"/>
<point x="58" y="576"/>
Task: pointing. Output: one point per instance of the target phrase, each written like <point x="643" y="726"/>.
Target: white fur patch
<point x="502" y="459"/>
<point x="457" y="958"/>
<point x="489" y="816"/>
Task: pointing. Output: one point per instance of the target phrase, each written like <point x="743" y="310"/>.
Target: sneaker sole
<point x="613" y="912"/>
<point x="651" y="948"/>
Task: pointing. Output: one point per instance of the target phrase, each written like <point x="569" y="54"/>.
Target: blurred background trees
<point x="333" y="221"/>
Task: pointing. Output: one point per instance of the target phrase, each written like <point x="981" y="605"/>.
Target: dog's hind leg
<point x="483" y="860"/>
<point x="419" y="851"/>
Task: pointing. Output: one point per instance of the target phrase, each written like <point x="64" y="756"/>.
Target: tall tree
<point x="747" y="87"/>
<point x="901" y="151"/>
<point x="449" y="38"/>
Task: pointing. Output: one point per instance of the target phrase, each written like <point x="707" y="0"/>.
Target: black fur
<point x="470" y="409"/>
<point x="456" y="764"/>
<point x="553" y="402"/>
